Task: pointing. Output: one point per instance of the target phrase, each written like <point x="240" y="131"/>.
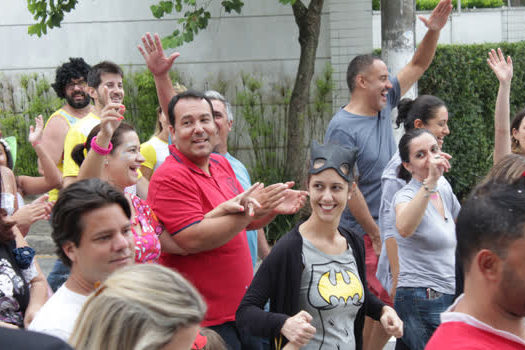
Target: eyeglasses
<point x="72" y="84"/>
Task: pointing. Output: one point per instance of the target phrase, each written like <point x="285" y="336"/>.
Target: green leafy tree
<point x="195" y="17"/>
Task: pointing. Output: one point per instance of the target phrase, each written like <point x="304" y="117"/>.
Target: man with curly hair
<point x="70" y="84"/>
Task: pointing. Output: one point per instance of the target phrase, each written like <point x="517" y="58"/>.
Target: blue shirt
<point x="373" y="137"/>
<point x="244" y="178"/>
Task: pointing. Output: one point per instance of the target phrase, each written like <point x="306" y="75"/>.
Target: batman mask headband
<point x="331" y="156"/>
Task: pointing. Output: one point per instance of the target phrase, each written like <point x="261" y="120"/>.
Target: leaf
<point x="156" y="11"/>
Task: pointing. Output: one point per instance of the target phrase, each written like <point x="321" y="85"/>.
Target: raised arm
<point x="427" y="48"/>
<point x="503" y="70"/>
<point x="359" y="209"/>
<point x="109" y="121"/>
<point x="409" y="214"/>
<point x="52" y="176"/>
<point x="159" y="65"/>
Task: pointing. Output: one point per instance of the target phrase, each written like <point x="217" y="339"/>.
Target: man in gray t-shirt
<point x="365" y="123"/>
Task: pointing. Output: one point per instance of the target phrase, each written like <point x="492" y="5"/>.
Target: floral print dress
<point x="147" y="243"/>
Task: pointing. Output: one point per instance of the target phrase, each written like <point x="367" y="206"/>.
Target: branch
<point x="299" y="12"/>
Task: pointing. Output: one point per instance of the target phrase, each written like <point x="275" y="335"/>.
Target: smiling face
<point x="195" y="131"/>
<point x="122" y="164"/>
<point x="329" y="194"/>
<point x="421" y="148"/>
<point x="113" y="82"/>
<point x="377" y="85"/>
<point x="106" y="244"/>
<point x="76" y="93"/>
<point x="438" y="125"/>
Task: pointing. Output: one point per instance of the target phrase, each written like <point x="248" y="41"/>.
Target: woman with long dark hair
<point x="315" y="276"/>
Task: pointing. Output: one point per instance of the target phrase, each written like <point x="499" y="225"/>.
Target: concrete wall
<point x="263" y="39"/>
<point x="470" y="26"/>
<point x="350" y="35"/>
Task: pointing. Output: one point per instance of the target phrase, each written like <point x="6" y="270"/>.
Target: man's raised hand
<point x="439" y="16"/>
<point x="156" y="60"/>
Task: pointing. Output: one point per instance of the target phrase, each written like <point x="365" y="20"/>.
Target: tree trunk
<point x="398" y="39"/>
<point x="309" y="22"/>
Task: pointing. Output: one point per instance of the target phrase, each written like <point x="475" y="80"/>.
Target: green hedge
<point x="461" y="77"/>
<point x="424" y="5"/>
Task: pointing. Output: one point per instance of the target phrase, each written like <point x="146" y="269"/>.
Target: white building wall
<point x="263" y="39"/>
<point x="350" y="35"/>
<point x="470" y="26"/>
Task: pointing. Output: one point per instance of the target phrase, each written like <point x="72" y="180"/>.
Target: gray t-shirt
<point x="427" y="257"/>
<point x="373" y="137"/>
<point x="332" y="292"/>
<point x="390" y="184"/>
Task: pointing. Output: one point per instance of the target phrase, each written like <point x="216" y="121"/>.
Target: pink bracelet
<point x="102" y="151"/>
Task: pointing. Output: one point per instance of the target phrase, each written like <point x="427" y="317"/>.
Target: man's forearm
<point x="165" y="91"/>
<point x="359" y="209"/>
<point x="211" y="233"/>
<point x="426" y="50"/>
<point x="262" y="222"/>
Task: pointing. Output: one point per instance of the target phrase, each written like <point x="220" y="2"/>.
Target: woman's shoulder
<point x="408" y="191"/>
<point x="289" y="240"/>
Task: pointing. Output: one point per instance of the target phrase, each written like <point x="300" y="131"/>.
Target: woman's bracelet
<point x="102" y="151"/>
<point x="428" y="190"/>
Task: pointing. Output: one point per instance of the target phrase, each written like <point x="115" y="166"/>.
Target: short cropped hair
<point x="492" y="218"/>
<point x="76" y="200"/>
<point x="188" y="94"/>
<point x="137" y="307"/>
<point x="357" y="66"/>
<point x="76" y="68"/>
<point x="215" y="95"/>
<point x="94" y="76"/>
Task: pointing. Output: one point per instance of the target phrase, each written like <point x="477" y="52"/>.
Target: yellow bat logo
<point x="341" y="289"/>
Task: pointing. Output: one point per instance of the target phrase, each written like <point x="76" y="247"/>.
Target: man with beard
<point x="70" y="84"/>
<point x="103" y="80"/>
<point x="104" y="87"/>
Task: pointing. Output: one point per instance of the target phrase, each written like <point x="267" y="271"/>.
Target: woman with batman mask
<point x="315" y="276"/>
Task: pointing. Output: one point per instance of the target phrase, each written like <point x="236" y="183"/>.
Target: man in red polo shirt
<point x="490" y="314"/>
<point x="185" y="193"/>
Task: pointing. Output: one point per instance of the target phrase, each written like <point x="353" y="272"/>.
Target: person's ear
<point x="70" y="249"/>
<point x="489" y="265"/>
<point x="418" y="124"/>
<point x="360" y="81"/>
<point x="92" y="92"/>
<point x="407" y="166"/>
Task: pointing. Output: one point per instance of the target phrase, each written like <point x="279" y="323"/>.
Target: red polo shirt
<point x="180" y="194"/>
